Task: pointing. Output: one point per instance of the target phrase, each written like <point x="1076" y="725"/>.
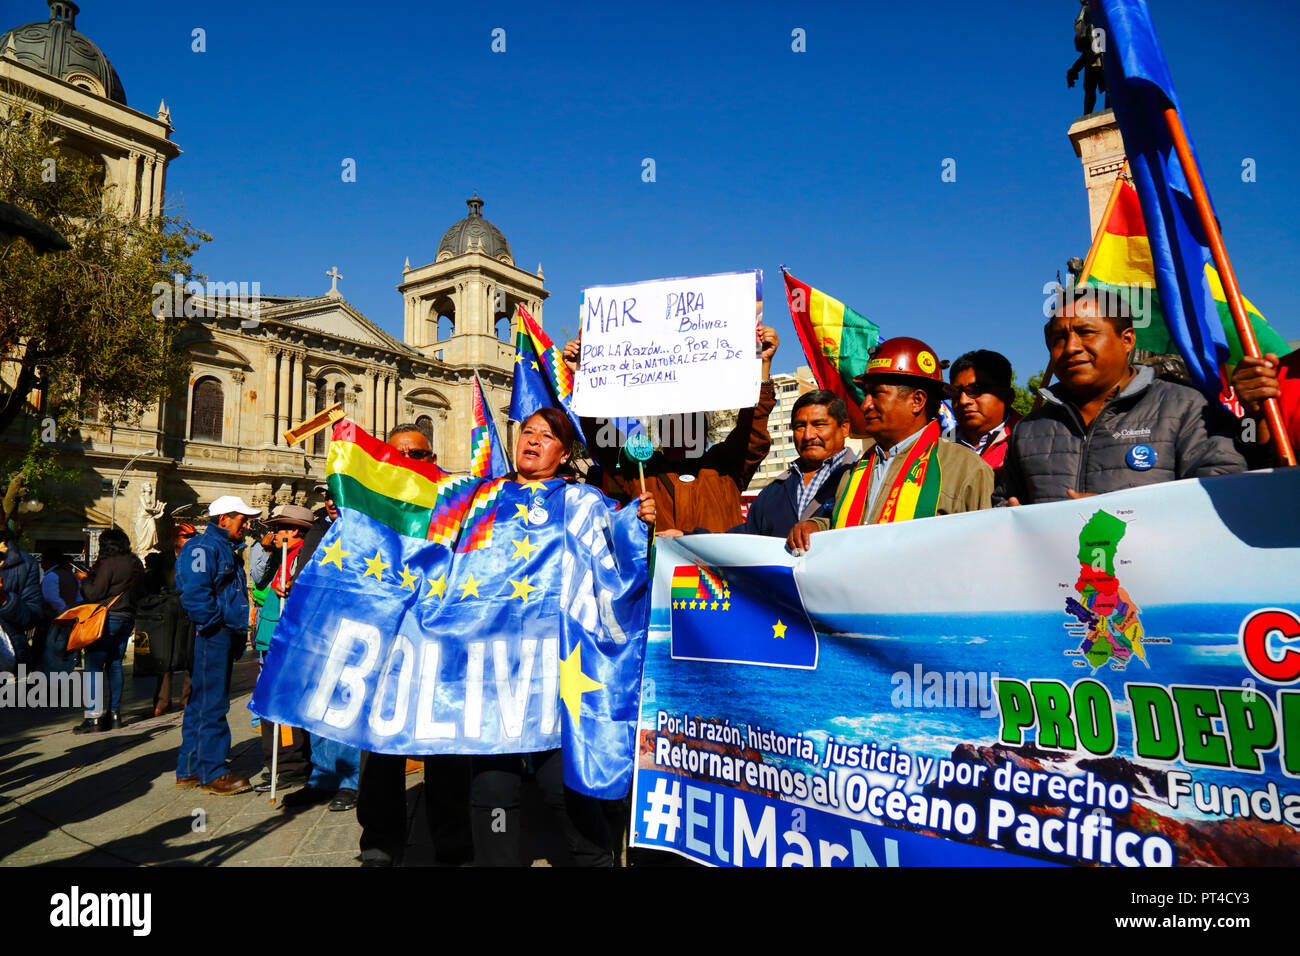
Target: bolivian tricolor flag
<point x="414" y="498"/>
<point x="1123" y="267"/>
<point x="836" y="341"/>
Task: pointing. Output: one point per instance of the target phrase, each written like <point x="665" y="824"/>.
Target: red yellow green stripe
<point x="836" y="339"/>
<point x="414" y="498"/>
<point x="1124" y="268"/>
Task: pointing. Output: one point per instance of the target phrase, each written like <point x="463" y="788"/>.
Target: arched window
<point x="206" y="410"/>
<point x="340" y="395"/>
<point x="425" y="424"/>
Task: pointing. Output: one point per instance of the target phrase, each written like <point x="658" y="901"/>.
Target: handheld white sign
<point x="669" y="346"/>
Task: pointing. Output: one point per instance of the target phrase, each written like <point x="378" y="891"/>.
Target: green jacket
<point x="967" y="482"/>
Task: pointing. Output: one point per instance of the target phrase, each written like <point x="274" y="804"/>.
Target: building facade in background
<point x="259" y="363"/>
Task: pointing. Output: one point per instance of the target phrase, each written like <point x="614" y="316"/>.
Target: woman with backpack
<point x="114" y="578"/>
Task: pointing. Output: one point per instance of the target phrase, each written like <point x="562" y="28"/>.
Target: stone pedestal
<point x="1100" y="147"/>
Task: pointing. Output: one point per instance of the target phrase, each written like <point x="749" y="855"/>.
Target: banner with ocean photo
<point x="1106" y="681"/>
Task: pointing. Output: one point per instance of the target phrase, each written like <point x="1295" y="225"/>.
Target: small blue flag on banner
<point x="759" y="621"/>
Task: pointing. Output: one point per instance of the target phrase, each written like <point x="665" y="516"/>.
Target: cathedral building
<point x="260" y="364"/>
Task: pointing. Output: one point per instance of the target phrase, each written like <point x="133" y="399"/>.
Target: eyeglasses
<point x="970" y="391"/>
<point x="419" y="454"/>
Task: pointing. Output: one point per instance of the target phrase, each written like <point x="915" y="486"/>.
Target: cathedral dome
<point x="474" y="234"/>
<point x="55" y="47"/>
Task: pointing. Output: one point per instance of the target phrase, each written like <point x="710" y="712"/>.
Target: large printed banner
<point x="1107" y="681"/>
<point x="669" y="346"/>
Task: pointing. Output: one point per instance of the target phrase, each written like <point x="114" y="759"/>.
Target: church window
<point x="425" y="424"/>
<point x="207" y="409"/>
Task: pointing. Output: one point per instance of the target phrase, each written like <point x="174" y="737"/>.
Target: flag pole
<point x="1111" y="203"/>
<point x="1245" y="332"/>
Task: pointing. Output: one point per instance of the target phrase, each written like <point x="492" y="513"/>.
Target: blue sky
<point x="828" y="161"/>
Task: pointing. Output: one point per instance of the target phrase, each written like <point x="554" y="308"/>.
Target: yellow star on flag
<point x="536" y="366"/>
<point x="375" y="566"/>
<point x="692" y="605"/>
<point x="726" y="605"/>
<point x="538" y="485"/>
<point x="778" y="630"/>
<point x="524" y="549"/>
<point x="409" y="579"/>
<point x="521" y="511"/>
<point x="523" y="589"/>
<point x="574" y="683"/>
<point x="334" y="554"/>
<point x="519" y="358"/>
<point x="469" y="587"/>
<point x="437" y="588"/>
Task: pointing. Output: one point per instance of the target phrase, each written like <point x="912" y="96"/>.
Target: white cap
<point x="227" y="504"/>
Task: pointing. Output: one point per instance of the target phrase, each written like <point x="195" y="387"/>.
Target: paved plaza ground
<point x="110" y="799"/>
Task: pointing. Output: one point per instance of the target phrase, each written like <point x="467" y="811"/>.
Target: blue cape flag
<point x="1140" y="88"/>
<point x="530" y="639"/>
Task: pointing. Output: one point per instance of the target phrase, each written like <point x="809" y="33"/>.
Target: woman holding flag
<point x="542" y="454"/>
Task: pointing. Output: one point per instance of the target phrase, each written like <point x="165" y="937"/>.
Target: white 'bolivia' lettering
<point x="550" y="685"/>
<point x="406" y="672"/>
<point x="513" y="702"/>
<point x="474" y="691"/>
<point x="337" y="671"/>
<point x="387" y="727"/>
<point x="426" y="728"/>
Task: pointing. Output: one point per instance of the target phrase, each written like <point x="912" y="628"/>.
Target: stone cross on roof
<point x="335" y="276"/>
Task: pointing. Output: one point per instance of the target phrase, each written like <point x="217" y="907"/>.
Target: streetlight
<point x="112" y="518"/>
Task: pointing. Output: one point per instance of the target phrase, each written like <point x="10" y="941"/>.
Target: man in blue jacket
<point x="819" y="424"/>
<point x="210" y="578"/>
<point x="20" y="593"/>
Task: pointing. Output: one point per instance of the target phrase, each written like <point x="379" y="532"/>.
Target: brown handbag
<point x="87" y="623"/>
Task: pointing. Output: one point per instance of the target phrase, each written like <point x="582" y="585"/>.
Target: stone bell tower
<point x="473" y="282"/>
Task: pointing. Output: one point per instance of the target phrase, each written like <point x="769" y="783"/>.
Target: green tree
<point x="79" y="326"/>
<point x="1025" y="397"/>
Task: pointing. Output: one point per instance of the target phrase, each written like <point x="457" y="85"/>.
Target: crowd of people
<point x="1106" y="424"/>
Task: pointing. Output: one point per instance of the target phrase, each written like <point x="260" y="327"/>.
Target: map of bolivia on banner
<point x="450" y="614"/>
<point x="1126" y="692"/>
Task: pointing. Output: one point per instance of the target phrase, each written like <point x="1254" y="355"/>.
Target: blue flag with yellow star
<point x="741" y="615"/>
<point x="517" y="623"/>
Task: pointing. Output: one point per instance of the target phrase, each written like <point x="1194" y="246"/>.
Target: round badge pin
<point x="537" y="514"/>
<point x="1141" y="457"/>
<point x="927" y="362"/>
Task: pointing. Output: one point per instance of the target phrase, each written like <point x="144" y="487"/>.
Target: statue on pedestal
<point x="1089" y="60"/>
<point x="146" y="520"/>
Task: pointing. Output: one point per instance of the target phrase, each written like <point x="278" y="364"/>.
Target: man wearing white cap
<point x="210" y="578"/>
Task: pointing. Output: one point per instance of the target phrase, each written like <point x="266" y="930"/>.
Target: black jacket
<point x="1175" y="431"/>
<point x="111" y="576"/>
<point x="772" y="512"/>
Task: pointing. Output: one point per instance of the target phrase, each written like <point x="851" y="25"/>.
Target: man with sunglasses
<point x="981" y="395"/>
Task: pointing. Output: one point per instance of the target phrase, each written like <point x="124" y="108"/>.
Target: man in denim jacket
<point x="210" y="578"/>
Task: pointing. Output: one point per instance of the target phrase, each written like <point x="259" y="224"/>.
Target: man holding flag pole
<point x="1182" y="229"/>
